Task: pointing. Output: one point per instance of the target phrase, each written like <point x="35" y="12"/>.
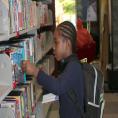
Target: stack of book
<point x="23" y="51"/>
<point x="20" y="101"/>
<point x="22" y="14"/>
<point x="45" y="14"/>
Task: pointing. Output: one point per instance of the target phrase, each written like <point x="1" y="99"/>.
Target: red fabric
<point x="88" y="52"/>
<point x="85" y="43"/>
<point x="83" y="36"/>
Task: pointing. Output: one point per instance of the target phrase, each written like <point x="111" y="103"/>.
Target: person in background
<point x="86" y="46"/>
<point x="71" y="76"/>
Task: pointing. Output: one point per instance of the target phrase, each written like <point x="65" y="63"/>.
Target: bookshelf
<point x="26" y="33"/>
<point x="6" y="79"/>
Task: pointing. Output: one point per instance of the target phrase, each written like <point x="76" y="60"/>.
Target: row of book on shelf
<point x="22" y="100"/>
<point x="31" y="48"/>
<point x="17" y="15"/>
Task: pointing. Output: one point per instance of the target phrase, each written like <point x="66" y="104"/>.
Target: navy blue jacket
<point x="70" y="78"/>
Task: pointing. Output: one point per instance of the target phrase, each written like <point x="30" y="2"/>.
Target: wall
<point x="104" y="35"/>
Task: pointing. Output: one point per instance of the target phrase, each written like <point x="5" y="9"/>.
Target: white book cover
<point x="6" y="113"/>
<point x="11" y="15"/>
<point x="49" y="98"/>
<point x="9" y="104"/>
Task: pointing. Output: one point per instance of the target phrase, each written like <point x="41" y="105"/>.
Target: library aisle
<point x="111" y="105"/>
<point x="110" y="110"/>
<point x="54" y="110"/>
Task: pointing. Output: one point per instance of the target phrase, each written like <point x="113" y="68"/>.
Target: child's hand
<point x="29" y="68"/>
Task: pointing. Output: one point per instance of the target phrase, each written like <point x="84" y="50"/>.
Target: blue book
<point x="17" y="56"/>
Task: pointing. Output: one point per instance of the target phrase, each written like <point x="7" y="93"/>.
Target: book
<point x="11" y="104"/>
<point x="7" y="113"/>
<point x="32" y="101"/>
<point x="24" y="51"/>
<point x="18" y="96"/>
<point x="20" y="14"/>
<point x="4" y="17"/>
<point x="31" y="48"/>
<point x="17" y="56"/>
<point x="24" y="98"/>
<point x="49" y="98"/>
<point x="28" y="93"/>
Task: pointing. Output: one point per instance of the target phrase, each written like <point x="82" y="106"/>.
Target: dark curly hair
<point x="68" y="31"/>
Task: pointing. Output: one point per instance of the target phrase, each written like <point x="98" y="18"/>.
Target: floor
<point x="111" y="105"/>
<point x="54" y="111"/>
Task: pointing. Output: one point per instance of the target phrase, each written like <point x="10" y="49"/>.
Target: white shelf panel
<point x="4" y="37"/>
<point x="4" y="91"/>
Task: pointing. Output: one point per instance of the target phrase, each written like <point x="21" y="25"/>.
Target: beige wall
<point x="104" y="34"/>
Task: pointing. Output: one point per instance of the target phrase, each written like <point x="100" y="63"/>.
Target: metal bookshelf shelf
<point x="4" y="91"/>
<point x="4" y="37"/>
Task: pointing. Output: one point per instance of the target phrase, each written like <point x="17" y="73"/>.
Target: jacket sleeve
<point x="61" y="84"/>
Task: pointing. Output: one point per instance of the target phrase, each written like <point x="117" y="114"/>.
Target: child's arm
<point x="61" y="84"/>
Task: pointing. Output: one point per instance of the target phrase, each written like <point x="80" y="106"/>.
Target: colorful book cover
<point x="31" y="94"/>
<point x="17" y="96"/>
<point x="20" y="14"/>
<point x="15" y="9"/>
<point x="28" y="94"/>
<point x="27" y="85"/>
<point x="23" y="98"/>
<point x="17" y="56"/>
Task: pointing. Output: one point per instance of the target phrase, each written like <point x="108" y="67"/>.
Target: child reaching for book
<point x="72" y="76"/>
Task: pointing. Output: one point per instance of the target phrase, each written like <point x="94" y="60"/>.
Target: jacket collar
<point x="65" y="61"/>
<point x="70" y="58"/>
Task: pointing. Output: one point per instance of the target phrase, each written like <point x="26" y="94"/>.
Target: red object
<point x="14" y="85"/>
<point x="83" y="36"/>
<point x="17" y="34"/>
<point x="88" y="52"/>
<point x="85" y="43"/>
